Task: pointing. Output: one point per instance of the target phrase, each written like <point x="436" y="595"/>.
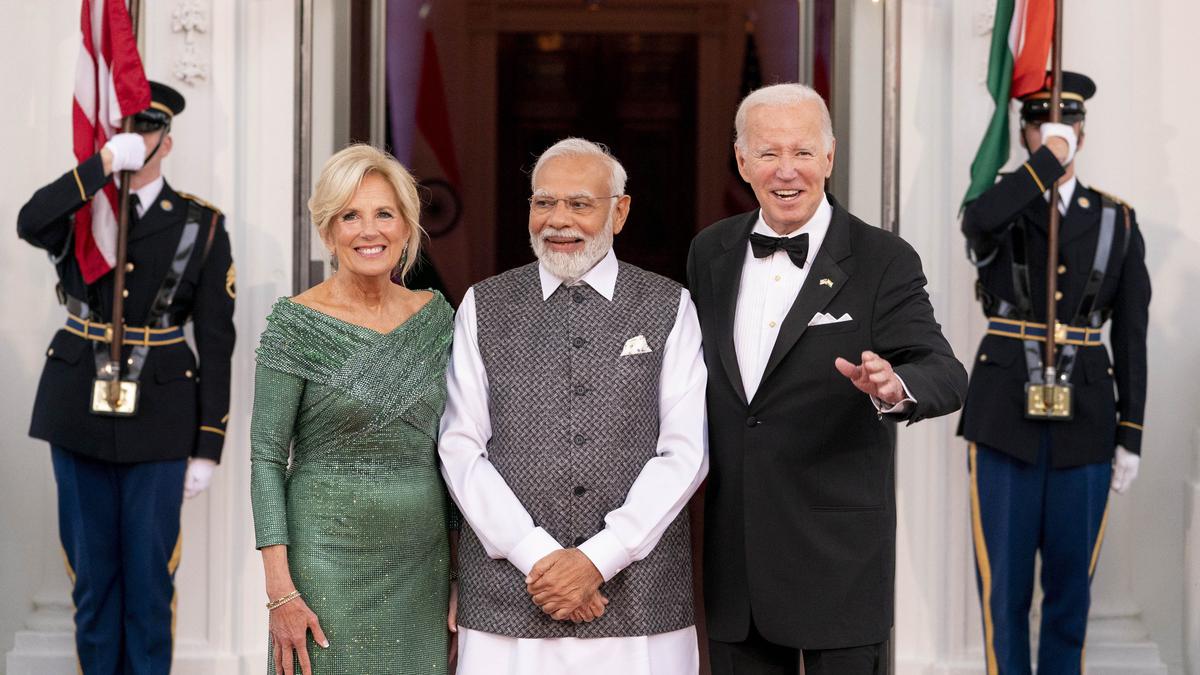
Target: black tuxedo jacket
<point x="800" y="505"/>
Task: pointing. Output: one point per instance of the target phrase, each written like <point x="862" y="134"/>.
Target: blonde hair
<point x="340" y="179"/>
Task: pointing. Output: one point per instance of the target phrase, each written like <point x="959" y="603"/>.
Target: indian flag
<point x="1021" y="39"/>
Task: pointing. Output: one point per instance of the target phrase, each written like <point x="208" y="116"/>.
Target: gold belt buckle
<point x="1049" y="402"/>
<point x="1060" y="332"/>
<point x="115" y="398"/>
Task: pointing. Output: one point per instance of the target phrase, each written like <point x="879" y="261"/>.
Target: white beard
<point x="571" y="267"/>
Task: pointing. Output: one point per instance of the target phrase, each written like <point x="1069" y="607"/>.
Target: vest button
<point x="578" y="342"/>
<point x="1062" y="269"/>
<point x="752" y="421"/>
<point x="577" y="297"/>
<point x="579" y="490"/>
<point x="580" y="439"/>
<point x="579" y="540"/>
<point x="581" y="390"/>
<point x="1058" y="295"/>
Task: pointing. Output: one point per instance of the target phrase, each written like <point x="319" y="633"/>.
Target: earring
<point x="404" y="257"/>
<point x="333" y="261"/>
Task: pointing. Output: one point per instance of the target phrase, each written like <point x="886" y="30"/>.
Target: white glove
<point x="1125" y="469"/>
<point x="1064" y="131"/>
<point x="199" y="476"/>
<point x="128" y="152"/>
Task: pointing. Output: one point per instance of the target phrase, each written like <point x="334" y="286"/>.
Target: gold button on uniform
<point x="1062" y="269"/>
<point x="1110" y="371"/>
<point x="187" y="373"/>
<point x="983" y="357"/>
<point x="1058" y="295"/>
<point x="128" y="267"/>
<point x="125" y="293"/>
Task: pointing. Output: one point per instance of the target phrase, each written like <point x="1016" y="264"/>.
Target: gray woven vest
<point x="573" y="423"/>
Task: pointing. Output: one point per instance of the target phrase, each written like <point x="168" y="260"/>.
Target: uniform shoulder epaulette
<point x="1113" y="198"/>
<point x="193" y="198"/>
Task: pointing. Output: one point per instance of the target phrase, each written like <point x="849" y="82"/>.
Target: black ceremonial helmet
<point x="1076" y="88"/>
<point x="165" y="104"/>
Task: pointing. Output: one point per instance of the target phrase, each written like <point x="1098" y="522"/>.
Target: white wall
<point x="28" y="311"/>
<point x="1142" y="145"/>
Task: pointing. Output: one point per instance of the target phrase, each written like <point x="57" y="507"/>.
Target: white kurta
<point x="631" y="531"/>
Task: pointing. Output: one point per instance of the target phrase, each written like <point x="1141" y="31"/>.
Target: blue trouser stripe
<point x="1024" y="510"/>
<point x="119" y="526"/>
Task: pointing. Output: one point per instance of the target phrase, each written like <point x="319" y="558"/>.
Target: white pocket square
<point x="636" y="345"/>
<point x="820" y="319"/>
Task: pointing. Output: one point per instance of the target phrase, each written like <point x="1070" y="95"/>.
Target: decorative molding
<point x="190" y="18"/>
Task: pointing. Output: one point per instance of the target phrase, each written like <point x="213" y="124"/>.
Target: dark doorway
<point x="636" y="93"/>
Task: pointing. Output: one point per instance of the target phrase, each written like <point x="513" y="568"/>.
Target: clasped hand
<point x="566" y="585"/>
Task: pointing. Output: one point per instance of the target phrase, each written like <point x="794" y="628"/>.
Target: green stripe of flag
<point x="993" y="151"/>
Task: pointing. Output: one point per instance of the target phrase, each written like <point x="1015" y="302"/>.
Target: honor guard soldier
<point x="122" y="471"/>
<point x="1040" y="480"/>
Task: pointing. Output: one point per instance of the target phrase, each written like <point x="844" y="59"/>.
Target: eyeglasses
<point x="580" y="206"/>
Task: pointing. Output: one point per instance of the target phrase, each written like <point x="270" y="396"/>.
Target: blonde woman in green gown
<point x="349" y="510"/>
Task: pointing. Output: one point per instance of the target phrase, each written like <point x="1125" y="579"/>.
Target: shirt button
<point x="579" y="490"/>
<point x="577" y="297"/>
<point x="1062" y="269"/>
<point x="579" y="541"/>
<point x="778" y="277"/>
<point x="578" y="342"/>
<point x="580" y="439"/>
<point x="752" y="421"/>
<point x="1058" y="295"/>
<point x="771" y="324"/>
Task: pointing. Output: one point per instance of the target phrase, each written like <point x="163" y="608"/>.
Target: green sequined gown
<point x="361" y="507"/>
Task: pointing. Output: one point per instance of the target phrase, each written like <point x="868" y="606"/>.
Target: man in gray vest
<point x="574" y="435"/>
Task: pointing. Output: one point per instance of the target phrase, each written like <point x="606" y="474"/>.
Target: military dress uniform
<point x="120" y="478"/>
<point x="1039" y="484"/>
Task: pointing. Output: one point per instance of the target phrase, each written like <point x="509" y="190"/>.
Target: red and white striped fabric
<point x="109" y="85"/>
<point x="1030" y="35"/>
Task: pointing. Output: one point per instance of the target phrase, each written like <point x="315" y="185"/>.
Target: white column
<point x="1191" y="564"/>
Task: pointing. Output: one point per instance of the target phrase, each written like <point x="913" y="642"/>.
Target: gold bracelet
<point x="282" y="601"/>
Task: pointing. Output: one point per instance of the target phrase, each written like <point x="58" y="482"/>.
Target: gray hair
<point x="579" y="147"/>
<point x="782" y="95"/>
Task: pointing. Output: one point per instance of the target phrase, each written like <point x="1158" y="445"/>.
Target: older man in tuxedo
<point x="818" y="335"/>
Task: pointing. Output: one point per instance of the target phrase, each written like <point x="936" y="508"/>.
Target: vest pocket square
<point x="820" y="319"/>
<point x="636" y="345"/>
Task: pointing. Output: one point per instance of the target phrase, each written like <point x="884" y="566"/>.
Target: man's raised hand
<point x="874" y="377"/>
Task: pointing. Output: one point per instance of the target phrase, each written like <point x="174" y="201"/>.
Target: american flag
<point x="109" y="85"/>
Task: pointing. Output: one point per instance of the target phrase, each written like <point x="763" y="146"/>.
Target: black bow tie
<point x="796" y="247"/>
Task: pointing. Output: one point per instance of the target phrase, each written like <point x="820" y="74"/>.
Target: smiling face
<point x="571" y="237"/>
<point x="786" y="162"/>
<point x="368" y="235"/>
